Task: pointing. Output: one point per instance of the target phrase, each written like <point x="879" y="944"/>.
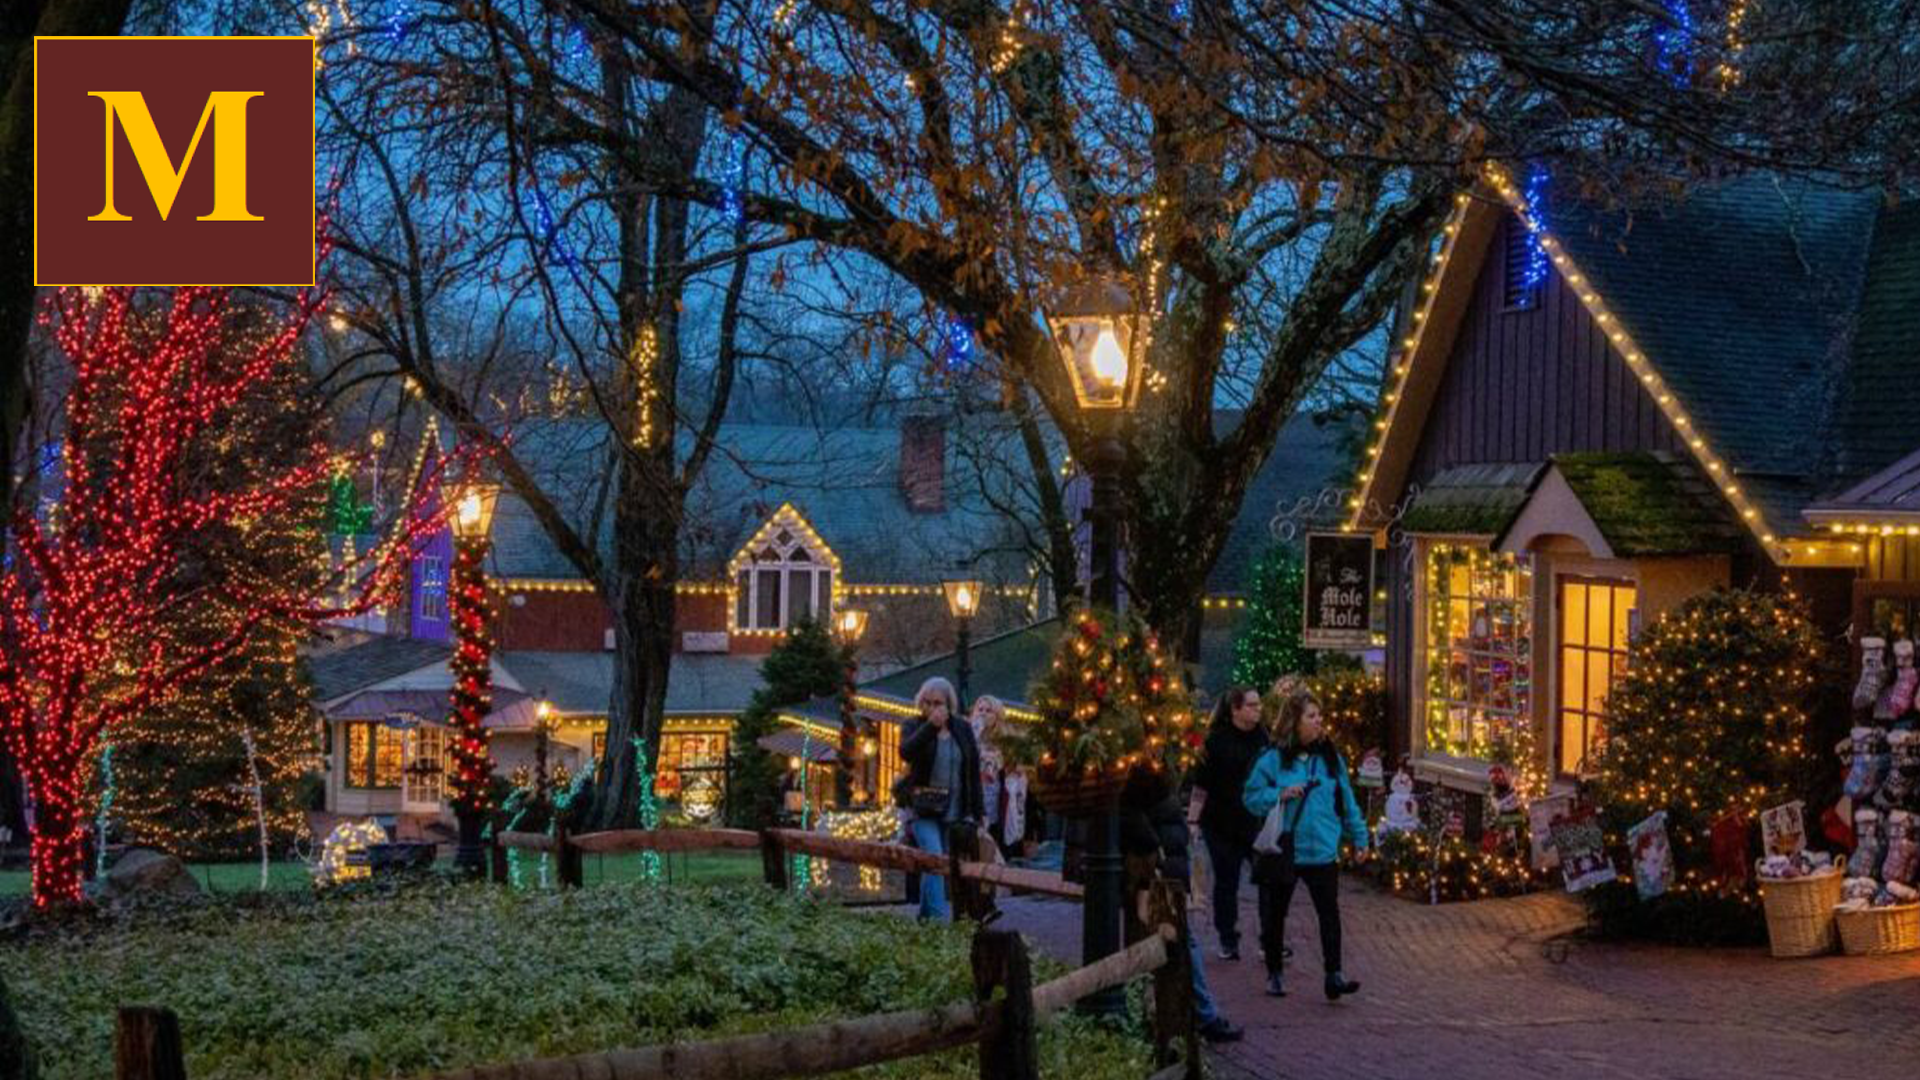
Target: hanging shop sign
<point x="1338" y="606"/>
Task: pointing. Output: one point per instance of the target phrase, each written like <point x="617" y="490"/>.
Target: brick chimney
<point x="923" y="463"/>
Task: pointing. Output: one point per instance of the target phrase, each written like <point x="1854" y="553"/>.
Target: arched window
<point x="781" y="579"/>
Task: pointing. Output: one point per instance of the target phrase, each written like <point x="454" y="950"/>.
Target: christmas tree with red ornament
<point x="1110" y="703"/>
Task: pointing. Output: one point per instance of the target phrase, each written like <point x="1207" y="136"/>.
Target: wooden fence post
<point x="1007" y="1048"/>
<point x="1174" y="1020"/>
<point x="773" y="859"/>
<point x="971" y="899"/>
<point x="146" y="1046"/>
<point x="572" y="870"/>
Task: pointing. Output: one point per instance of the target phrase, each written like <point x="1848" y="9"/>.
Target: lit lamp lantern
<point x="472" y="509"/>
<point x="963" y="602"/>
<point x="1101" y="335"/>
<point x="851" y="625"/>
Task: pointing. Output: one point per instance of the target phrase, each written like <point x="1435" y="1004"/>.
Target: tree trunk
<point x="644" y="567"/>
<point x="59" y="836"/>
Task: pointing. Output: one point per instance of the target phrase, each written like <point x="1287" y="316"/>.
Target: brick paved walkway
<point x="1474" y="990"/>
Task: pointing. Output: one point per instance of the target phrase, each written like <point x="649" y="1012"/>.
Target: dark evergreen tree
<point x="1268" y="644"/>
<point x="806" y="665"/>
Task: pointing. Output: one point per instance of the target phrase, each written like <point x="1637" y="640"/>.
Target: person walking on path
<point x="943" y="771"/>
<point x="1234" y="741"/>
<point x="1002" y="788"/>
<point x="1307" y="778"/>
<point x="1155" y="840"/>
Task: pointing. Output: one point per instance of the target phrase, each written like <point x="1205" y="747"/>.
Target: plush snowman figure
<point x="1403" y="810"/>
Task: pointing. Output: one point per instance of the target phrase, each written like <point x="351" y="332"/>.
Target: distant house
<point x="787" y="524"/>
<point x="1583" y="433"/>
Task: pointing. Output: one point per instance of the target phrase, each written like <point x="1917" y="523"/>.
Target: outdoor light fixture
<point x="1102" y="336"/>
<point x="963" y="597"/>
<point x="472" y="505"/>
<point x="850" y="624"/>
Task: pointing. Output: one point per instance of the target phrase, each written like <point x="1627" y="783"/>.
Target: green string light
<point x="649" y="808"/>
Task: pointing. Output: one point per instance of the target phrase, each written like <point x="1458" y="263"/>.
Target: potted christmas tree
<point x="1111" y="709"/>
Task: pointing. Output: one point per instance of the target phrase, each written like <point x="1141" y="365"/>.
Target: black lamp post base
<point x="1100" y="916"/>
<point x="470" y="856"/>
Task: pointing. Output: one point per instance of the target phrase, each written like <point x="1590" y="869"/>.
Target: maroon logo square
<point x="173" y="161"/>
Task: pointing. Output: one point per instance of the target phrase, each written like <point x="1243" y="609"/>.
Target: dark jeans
<point x="1276" y="892"/>
<point x="1229" y="855"/>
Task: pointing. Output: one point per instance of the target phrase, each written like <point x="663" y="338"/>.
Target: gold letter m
<point x="229" y="107"/>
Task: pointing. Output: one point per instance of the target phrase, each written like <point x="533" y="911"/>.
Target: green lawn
<point x="374" y="982"/>
<point x="696" y="868"/>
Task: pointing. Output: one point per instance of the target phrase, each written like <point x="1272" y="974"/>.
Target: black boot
<point x="1339" y="985"/>
<point x="1276" y="986"/>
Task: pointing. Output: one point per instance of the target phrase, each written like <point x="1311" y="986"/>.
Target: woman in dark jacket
<point x="1234" y="742"/>
<point x="943" y="788"/>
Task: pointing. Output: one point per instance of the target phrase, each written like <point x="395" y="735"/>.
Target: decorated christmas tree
<point x="211" y="770"/>
<point x="1268" y="644"/>
<point x="1709" y="725"/>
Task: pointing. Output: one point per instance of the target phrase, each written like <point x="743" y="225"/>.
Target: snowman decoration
<point x="1403" y="810"/>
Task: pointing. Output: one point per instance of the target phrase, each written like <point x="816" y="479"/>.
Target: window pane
<point x="359" y="754"/>
<point x="1599" y="617"/>
<point x="1623" y="601"/>
<point x="389" y="748"/>
<point x="823" y="596"/>
<point x="799" y="595"/>
<point x="767" y="612"/>
<point x="1573" y="668"/>
<point x="1599" y="684"/>
<point x="742" y="605"/>
<point x="1572" y="741"/>
<point x="1574" y="618"/>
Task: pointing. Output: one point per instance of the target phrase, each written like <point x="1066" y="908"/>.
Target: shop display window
<point x="1479" y="653"/>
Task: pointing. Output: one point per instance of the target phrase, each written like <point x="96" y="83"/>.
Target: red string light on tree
<point x="87" y="634"/>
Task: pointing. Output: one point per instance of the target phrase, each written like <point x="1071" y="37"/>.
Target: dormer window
<point x="783" y="576"/>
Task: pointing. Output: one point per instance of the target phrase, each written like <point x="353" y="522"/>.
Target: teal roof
<point x="1744" y="296"/>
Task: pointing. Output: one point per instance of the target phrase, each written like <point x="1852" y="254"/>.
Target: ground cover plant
<point x="384" y="982"/>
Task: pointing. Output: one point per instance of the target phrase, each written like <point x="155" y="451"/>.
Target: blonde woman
<point x="1304" y="775"/>
<point x="943" y="782"/>
<point x="1003" y="790"/>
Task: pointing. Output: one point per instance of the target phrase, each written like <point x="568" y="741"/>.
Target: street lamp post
<point x="849" y="625"/>
<point x="1101" y="334"/>
<point x="471" y="610"/>
<point x="963" y="602"/>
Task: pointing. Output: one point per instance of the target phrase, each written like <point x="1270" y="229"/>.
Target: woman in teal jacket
<point x="1303" y="771"/>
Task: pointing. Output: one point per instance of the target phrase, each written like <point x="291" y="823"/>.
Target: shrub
<point x="806" y="665"/>
<point x="1353" y="703"/>
<point x="398" y="982"/>
<point x="1710" y="720"/>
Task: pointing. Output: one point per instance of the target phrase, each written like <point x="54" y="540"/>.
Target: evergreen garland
<point x="806" y="665"/>
<point x="1268" y="644"/>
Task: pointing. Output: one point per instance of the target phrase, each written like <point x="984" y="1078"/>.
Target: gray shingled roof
<point x="578" y="683"/>
<point x="372" y="661"/>
<point x="1744" y="297"/>
<point x="845" y="482"/>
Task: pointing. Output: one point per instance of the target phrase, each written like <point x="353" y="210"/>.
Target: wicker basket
<point x="1080" y="795"/>
<point x="1875" y="931"/>
<point x="1800" y="913"/>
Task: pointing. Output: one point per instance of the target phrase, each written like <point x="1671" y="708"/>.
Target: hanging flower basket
<point x="1114" y="719"/>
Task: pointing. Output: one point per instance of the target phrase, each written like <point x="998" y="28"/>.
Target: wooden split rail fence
<point x="1001" y="1020"/>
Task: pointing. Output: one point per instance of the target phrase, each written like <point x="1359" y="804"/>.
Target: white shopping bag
<point x="1268" y="842"/>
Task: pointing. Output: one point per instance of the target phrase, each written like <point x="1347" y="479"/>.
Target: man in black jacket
<point x="1159" y="832"/>
<point x="1235" y="739"/>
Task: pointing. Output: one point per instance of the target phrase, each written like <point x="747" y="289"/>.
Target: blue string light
<point x="1180" y="10"/>
<point x="732" y="179"/>
<point x="552" y="243"/>
<point x="1536" y="197"/>
<point x="576" y="43"/>
<point x="959" y="338"/>
<point x="49" y="457"/>
<point x="399" y="20"/>
<point x="1673" y="42"/>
